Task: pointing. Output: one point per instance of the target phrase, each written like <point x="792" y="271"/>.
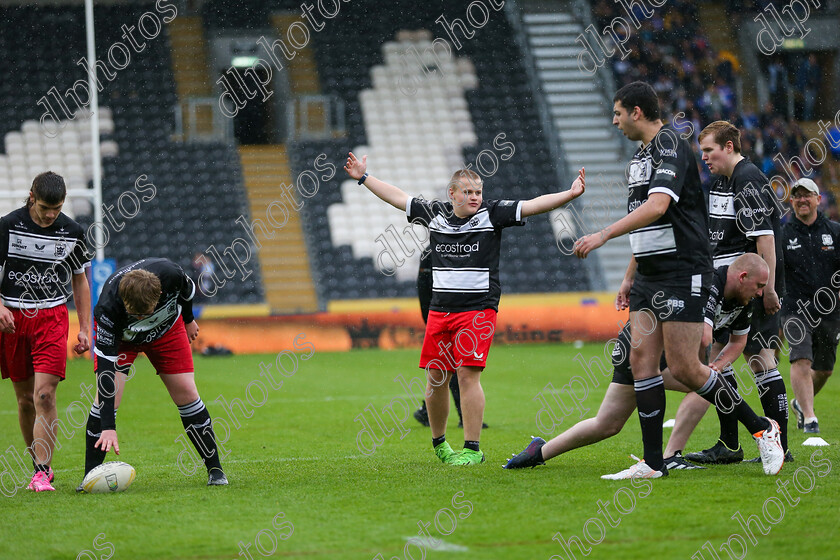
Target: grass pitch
<point x="301" y="487"/>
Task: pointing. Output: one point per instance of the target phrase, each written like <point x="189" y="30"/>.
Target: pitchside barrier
<point x="397" y="323"/>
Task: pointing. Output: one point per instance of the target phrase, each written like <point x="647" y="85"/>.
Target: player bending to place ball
<point x="465" y="235"/>
<point x="147" y="307"/>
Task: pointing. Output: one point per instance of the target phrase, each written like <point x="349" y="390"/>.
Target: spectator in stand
<point x="808" y="81"/>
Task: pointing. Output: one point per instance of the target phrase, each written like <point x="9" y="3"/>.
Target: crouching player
<point x="147" y="307"/>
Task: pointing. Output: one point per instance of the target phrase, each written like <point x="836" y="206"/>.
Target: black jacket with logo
<point x="812" y="259"/>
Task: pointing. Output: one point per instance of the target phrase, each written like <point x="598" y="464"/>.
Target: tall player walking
<point x="666" y="284"/>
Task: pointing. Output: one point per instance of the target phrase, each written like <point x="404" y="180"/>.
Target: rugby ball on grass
<point x="114" y="476"/>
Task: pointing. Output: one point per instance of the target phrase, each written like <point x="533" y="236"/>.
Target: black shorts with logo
<point x="764" y="329"/>
<point x="673" y="298"/>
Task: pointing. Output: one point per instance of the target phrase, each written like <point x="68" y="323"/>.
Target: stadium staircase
<point x="190" y="69"/>
<point x="722" y="37"/>
<point x="284" y="261"/>
<point x="303" y="70"/>
<point x="577" y="103"/>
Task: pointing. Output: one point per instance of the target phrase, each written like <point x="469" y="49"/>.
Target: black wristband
<point x="362" y="180"/>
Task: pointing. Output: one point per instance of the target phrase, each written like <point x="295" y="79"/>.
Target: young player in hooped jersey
<point x="147" y="307"/>
<point x="666" y="284"/>
<point x="465" y="240"/>
<point x="39" y="249"/>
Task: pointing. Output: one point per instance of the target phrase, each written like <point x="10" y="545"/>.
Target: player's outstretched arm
<point x="548" y="202"/>
<point x="653" y="208"/>
<point x="394" y="196"/>
<point x="81" y="297"/>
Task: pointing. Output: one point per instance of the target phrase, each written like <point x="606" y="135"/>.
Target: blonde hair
<point x="464" y="178"/>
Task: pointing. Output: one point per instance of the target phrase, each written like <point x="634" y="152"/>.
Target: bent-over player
<point x="147" y="307"/>
<point x="666" y="283"/>
<point x="728" y="307"/>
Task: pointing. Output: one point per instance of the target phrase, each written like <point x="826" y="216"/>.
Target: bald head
<point x="752" y="264"/>
<point x="746" y="278"/>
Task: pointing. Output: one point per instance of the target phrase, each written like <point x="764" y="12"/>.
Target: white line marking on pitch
<point x="442" y="546"/>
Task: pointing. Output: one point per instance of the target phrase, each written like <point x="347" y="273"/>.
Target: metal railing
<point x="315" y="117"/>
<point x="199" y="119"/>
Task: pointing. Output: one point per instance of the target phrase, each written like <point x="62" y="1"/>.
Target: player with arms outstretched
<point x="465" y="235"/>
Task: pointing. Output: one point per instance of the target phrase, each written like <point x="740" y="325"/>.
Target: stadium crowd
<point x="672" y="52"/>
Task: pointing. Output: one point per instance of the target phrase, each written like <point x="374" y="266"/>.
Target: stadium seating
<point x="199" y="187"/>
<point x="501" y="102"/>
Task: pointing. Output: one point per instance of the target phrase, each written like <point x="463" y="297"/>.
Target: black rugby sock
<point x="718" y="392"/>
<point x="93" y="431"/>
<point x="773" y="394"/>
<point x="199" y="428"/>
<point x="729" y="422"/>
<point x="650" y="401"/>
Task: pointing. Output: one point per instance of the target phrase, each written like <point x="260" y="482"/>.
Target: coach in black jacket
<point x="810" y="314"/>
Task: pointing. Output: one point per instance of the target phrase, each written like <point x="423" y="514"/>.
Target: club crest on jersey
<point x="639" y="172"/>
<point x="60" y="249"/>
<point x="474" y="222"/>
<point x="827" y="240"/>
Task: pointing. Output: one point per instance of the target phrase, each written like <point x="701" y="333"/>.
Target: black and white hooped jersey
<point x="741" y="209"/>
<point x="722" y="314"/>
<point x="678" y="242"/>
<point x="465" y="251"/>
<point x="38" y="263"/>
<point x="114" y="325"/>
